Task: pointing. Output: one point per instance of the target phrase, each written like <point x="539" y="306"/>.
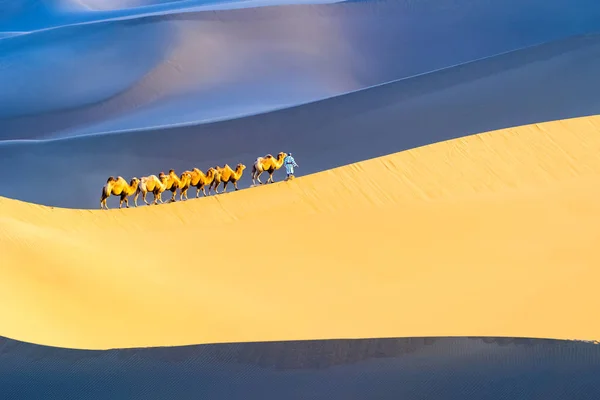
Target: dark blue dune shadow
<point x="201" y="65"/>
<point x="407" y="368"/>
<point x="75" y="67"/>
<point x="552" y="81"/>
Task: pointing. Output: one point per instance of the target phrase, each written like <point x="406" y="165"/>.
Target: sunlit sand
<point x="493" y="234"/>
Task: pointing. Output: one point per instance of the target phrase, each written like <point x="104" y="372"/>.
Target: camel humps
<point x="200" y="181"/>
<point x="152" y="184"/>
<point x="185" y="180"/>
<point x="267" y="164"/>
<point x="212" y="179"/>
<point x="118" y="187"/>
<point x="175" y="182"/>
<point x="226" y="175"/>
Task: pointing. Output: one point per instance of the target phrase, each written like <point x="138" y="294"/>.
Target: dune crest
<point x="366" y="250"/>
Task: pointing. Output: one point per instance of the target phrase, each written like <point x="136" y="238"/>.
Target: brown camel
<point x="173" y="183"/>
<point x="227" y="175"/>
<point x="268" y="164"/>
<point x="184" y="183"/>
<point x="200" y="180"/>
<point x="152" y="184"/>
<point x="118" y="187"/>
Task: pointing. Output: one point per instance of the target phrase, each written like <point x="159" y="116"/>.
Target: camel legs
<point x="103" y="199"/>
<point x="271" y="177"/>
<point x="235" y="185"/>
<point x="124" y="199"/>
<point x="216" y="188"/>
<point x="173" y="194"/>
<point x="258" y="177"/>
<point x="225" y="186"/>
<point x="203" y="188"/>
<point x="182" y="193"/>
<point x="198" y="188"/>
<point x="135" y="197"/>
<point x="144" y="197"/>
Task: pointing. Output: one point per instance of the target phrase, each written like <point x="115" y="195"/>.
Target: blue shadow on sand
<point x="382" y="369"/>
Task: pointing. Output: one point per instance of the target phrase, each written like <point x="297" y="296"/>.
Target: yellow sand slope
<point x="496" y="234"/>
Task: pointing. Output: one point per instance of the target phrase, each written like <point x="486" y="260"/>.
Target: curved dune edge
<point x="489" y="235"/>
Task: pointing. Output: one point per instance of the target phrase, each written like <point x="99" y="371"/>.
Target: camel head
<point x="134" y="181"/>
<point x="240" y="167"/>
<point x="281" y="156"/>
<point x="172" y="172"/>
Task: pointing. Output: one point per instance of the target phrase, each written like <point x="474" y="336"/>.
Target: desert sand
<point x="492" y="234"/>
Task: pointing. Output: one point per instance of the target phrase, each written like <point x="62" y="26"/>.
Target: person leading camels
<point x="290" y="163"/>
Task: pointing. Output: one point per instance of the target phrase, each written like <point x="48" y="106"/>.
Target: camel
<point x="226" y="175"/>
<point x="118" y="187"/>
<point x="268" y="164"/>
<point x="152" y="184"/>
<point x="200" y="181"/>
<point x="173" y="183"/>
<point x="185" y="181"/>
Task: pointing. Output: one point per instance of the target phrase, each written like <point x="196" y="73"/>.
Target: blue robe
<point x="290" y="163"/>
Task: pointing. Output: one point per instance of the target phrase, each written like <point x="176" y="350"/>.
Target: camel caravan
<point x="171" y="182"/>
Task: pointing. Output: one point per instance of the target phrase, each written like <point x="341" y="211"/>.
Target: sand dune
<point x="552" y="81"/>
<point x="493" y="234"/>
<point x="441" y="260"/>
<point x="194" y="61"/>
